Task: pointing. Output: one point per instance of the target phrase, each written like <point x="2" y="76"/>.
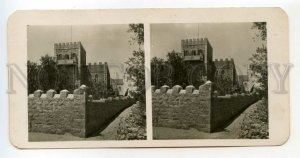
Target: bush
<point x="255" y="123"/>
<point x="133" y="127"/>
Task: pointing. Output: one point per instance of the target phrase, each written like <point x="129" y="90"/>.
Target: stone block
<point x="189" y="89"/>
<point x="64" y="93"/>
<point x="38" y="93"/>
<point x="164" y="89"/>
<point x="182" y="92"/>
<point x="157" y="91"/>
<point x="51" y="93"/>
<point x="196" y="92"/>
<point x="206" y="86"/>
<point x="90" y="98"/>
<point x="176" y="89"/>
<point x="76" y="91"/>
<point x="170" y="91"/>
<point x="44" y="96"/>
<point x="83" y="89"/>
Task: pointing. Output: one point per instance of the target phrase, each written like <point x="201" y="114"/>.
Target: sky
<point x="229" y="40"/>
<point x="103" y="43"/>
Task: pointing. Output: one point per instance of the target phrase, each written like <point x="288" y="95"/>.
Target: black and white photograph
<point x="148" y="78"/>
<point x="86" y="82"/>
<point x="209" y="81"/>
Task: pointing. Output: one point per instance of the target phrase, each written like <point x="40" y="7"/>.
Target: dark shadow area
<point x="106" y="124"/>
<point x="230" y="120"/>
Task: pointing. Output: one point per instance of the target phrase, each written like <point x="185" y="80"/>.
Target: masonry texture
<point x="196" y="108"/>
<point x="75" y="113"/>
<point x="100" y="112"/>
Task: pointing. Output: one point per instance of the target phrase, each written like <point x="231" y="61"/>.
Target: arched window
<point x="193" y="52"/>
<point x="67" y="56"/>
<point x="73" y="56"/>
<point x="59" y="56"/>
<point x="199" y="52"/>
<point x="96" y="78"/>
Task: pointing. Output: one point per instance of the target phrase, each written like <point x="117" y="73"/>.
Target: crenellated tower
<point x="198" y="54"/>
<point x="71" y="59"/>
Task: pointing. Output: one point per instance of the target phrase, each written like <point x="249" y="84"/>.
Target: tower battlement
<point x="67" y="45"/>
<point x="96" y="66"/>
<point x="222" y="61"/>
<point x="193" y="41"/>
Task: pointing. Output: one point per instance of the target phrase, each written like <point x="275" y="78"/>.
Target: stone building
<point x="99" y="74"/>
<point x="242" y="82"/>
<point x="117" y="86"/>
<point x="71" y="59"/>
<point x="198" y="55"/>
<point x="225" y="75"/>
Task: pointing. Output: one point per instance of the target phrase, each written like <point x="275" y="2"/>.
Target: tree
<point x="138" y="31"/>
<point x="179" y="72"/>
<point x="32" y="79"/>
<point x="159" y="71"/>
<point x="136" y="68"/>
<point x="258" y="60"/>
<point x="48" y="74"/>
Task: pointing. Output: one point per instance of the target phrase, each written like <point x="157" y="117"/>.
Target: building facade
<point x="225" y="75"/>
<point x="71" y="59"/>
<point x="197" y="55"/>
<point x="99" y="74"/>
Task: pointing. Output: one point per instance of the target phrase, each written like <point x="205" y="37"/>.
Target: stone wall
<point x="196" y="108"/>
<point x="100" y="112"/>
<point x="74" y="113"/>
<point x="179" y="108"/>
<point x="225" y="108"/>
<point x="57" y="113"/>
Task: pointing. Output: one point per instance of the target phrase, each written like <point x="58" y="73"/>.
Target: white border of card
<point x="278" y="52"/>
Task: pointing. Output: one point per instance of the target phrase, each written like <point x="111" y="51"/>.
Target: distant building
<point x="197" y="55"/>
<point x="242" y="82"/>
<point x="225" y="75"/>
<point x="117" y="86"/>
<point x="99" y="74"/>
<point x="129" y="85"/>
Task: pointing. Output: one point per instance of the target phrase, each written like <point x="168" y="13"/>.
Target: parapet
<point x="178" y="90"/>
<point x="67" y="45"/>
<point x="194" y="41"/>
<point x="63" y="94"/>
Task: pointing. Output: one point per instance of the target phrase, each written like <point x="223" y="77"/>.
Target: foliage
<point x="64" y="79"/>
<point x="133" y="127"/>
<point x="259" y="65"/>
<point x="224" y="85"/>
<point x="138" y="30"/>
<point x="262" y="28"/>
<point x="179" y="72"/>
<point x="48" y="74"/>
<point x="136" y="63"/>
<point x="159" y="72"/>
<point x="32" y="79"/>
<point x="170" y="72"/>
<point x="255" y="122"/>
